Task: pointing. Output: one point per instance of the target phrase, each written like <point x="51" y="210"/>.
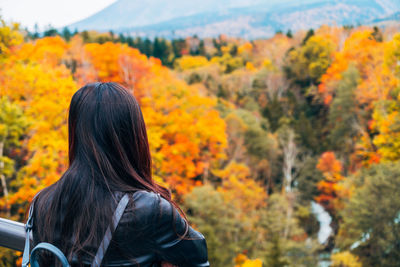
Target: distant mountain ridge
<point x="252" y="19"/>
<point x="395" y="17"/>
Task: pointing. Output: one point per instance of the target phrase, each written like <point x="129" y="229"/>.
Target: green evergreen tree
<point x="36" y="32"/>
<point x="202" y="50"/>
<point x="51" y="31"/>
<point x="309" y="34"/>
<point x="274" y="111"/>
<point x="234" y="50"/>
<point x="344" y="115"/>
<point x="130" y="42"/>
<point x="307" y="181"/>
<point x="275" y="256"/>
<point x="161" y="50"/>
<point x="66" y="34"/>
<point x="371" y="218"/>
<point x="178" y="45"/>
<point x="147" y="47"/>
<point x="122" y="38"/>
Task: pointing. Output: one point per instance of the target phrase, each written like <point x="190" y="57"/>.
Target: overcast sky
<point x="44" y="12"/>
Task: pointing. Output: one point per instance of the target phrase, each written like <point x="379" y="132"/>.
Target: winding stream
<point x="324" y="220"/>
<point x="325" y="229"/>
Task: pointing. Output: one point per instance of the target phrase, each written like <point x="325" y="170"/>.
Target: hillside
<point x="254" y="19"/>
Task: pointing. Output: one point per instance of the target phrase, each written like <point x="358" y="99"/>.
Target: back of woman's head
<point x="108" y="133"/>
<point x="108" y="152"/>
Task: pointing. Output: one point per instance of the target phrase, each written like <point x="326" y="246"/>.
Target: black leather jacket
<point x="148" y="233"/>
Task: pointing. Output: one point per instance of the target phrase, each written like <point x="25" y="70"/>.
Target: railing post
<point x="12" y="234"/>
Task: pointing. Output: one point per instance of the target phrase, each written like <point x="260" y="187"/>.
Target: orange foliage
<point x="115" y="62"/>
<point x="366" y="54"/>
<point x="48" y="51"/>
<point x="329" y="165"/>
<point x="186" y="133"/>
<point x="330" y="188"/>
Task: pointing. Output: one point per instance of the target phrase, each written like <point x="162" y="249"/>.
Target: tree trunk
<point x="2" y="177"/>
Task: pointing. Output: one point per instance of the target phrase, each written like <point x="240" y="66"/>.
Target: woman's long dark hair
<point x="108" y="152"/>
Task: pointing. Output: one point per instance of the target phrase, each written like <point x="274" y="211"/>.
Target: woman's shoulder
<point x="148" y="208"/>
<point x="145" y="200"/>
<point x="141" y="219"/>
<point x="143" y="194"/>
<point x="143" y="207"/>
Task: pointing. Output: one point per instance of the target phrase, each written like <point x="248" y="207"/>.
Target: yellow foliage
<point x="239" y="189"/>
<point x="9" y="38"/>
<point x="241" y="260"/>
<point x="252" y="263"/>
<point x="228" y="62"/>
<point x="225" y="49"/>
<point x="386" y="113"/>
<point x="388" y="138"/>
<point x="345" y="259"/>
<point x="44" y="94"/>
<point x="190" y="62"/>
<point x="268" y="64"/>
<point x="250" y="66"/>
<point x="392" y="54"/>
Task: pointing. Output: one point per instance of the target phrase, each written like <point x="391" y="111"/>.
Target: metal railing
<point x="12" y="234"/>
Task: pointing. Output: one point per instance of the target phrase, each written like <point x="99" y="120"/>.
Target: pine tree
<point x="66" y="34"/>
<point x="275" y="256"/>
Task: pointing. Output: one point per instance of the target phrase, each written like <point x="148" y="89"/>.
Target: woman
<point x="108" y="157"/>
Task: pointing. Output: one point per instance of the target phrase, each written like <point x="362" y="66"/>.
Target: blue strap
<point x="28" y="229"/>
<point x="119" y="211"/>
<point x="100" y="252"/>
<point x="52" y="249"/>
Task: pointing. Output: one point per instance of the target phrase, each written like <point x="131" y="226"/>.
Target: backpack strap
<point x="28" y="229"/>
<point x="119" y="211"/>
<point x="53" y="249"/>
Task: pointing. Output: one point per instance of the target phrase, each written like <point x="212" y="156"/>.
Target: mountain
<point x="395" y="17"/>
<point x="250" y="19"/>
<point x="133" y="13"/>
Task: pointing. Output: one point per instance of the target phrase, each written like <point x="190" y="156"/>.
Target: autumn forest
<point x="251" y="136"/>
